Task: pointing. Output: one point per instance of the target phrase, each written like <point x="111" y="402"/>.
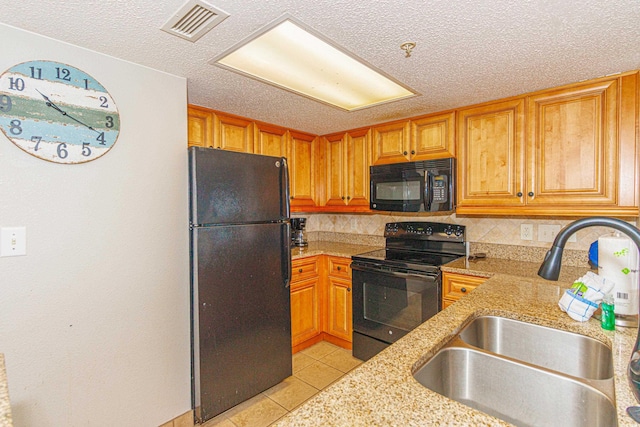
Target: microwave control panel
<point x="440" y="189"/>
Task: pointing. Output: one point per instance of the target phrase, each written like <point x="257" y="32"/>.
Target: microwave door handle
<point x="428" y="191"/>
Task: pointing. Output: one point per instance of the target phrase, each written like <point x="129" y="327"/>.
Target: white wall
<point x="94" y="320"/>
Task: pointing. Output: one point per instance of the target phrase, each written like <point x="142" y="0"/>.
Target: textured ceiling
<point x="467" y="51"/>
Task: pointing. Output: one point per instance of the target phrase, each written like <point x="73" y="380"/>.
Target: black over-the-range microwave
<point x="427" y="186"/>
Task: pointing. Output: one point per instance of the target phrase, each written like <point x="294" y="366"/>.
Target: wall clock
<point x="57" y="112"/>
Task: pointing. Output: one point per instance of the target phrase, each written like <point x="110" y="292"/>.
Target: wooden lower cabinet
<point x="305" y="318"/>
<point x="321" y="301"/>
<point x="305" y="303"/>
<point x="456" y="286"/>
<point x="338" y="319"/>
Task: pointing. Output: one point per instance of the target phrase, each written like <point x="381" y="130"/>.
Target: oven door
<point x="387" y="305"/>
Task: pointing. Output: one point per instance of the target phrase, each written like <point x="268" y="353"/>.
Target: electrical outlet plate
<point x="13" y="241"/>
<point x="526" y="231"/>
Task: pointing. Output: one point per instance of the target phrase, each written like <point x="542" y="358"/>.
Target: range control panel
<point x="425" y="231"/>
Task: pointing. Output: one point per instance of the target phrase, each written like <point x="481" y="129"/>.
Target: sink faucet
<point x="550" y="270"/>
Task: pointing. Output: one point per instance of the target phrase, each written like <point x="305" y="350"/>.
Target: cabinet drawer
<point x="455" y="286"/>
<point x="339" y="267"/>
<point x="304" y="268"/>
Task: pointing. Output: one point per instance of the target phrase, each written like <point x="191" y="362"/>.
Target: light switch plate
<point x="13" y="241"/>
<point x="547" y="232"/>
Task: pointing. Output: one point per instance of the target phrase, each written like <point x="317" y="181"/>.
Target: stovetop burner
<point x="417" y="246"/>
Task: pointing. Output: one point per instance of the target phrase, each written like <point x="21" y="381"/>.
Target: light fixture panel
<point x="289" y="55"/>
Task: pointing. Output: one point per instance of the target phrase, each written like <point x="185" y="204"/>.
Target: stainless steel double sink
<point x="525" y="374"/>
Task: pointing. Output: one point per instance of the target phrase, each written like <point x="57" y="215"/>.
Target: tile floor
<point x="313" y="369"/>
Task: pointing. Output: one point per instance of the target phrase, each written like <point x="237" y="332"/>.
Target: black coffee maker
<point x="297" y="231"/>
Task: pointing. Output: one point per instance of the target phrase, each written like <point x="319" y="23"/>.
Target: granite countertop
<point x="488" y="267"/>
<point x="383" y="392"/>
<point x="5" y="406"/>
<point x="330" y="248"/>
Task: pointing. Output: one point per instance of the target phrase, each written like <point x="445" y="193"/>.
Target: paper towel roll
<point x="618" y="262"/>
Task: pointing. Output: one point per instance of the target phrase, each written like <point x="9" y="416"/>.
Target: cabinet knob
<point x="291" y="197"/>
<point x="405" y="153"/>
<point x="299" y="270"/>
<point x="463" y="290"/>
<point x="413" y="152"/>
<point x="348" y="197"/>
<point x="348" y="289"/>
<point x="530" y="193"/>
<point x="519" y="194"/>
<point x="339" y="268"/>
<point x="342" y="197"/>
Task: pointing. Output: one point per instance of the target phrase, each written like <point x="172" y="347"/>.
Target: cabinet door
<point x="390" y="143"/>
<point x="433" y="137"/>
<point x="491" y="156"/>
<point x="233" y="133"/>
<point x="305" y="316"/>
<point x="456" y="286"/>
<point x="200" y="125"/>
<point x="302" y="160"/>
<point x="357" y="168"/>
<point x="270" y="140"/>
<point x="335" y="170"/>
<point x="572" y="146"/>
<point x="339" y="319"/>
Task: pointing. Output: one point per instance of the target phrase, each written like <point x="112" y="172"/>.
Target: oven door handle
<point x="389" y="272"/>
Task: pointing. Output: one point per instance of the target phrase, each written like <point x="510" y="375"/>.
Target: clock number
<point x="63" y="74"/>
<point x="109" y="123"/>
<point x="36" y="73"/>
<point x="16" y="83"/>
<point x="62" y="152"/>
<point x="15" y="128"/>
<point x="101" y="139"/>
<point x="37" y="140"/>
<point x="86" y="83"/>
<point x="86" y="151"/>
<point x="104" y="103"/>
<point x="6" y="104"/>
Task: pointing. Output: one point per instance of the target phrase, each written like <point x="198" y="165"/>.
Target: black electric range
<point x="397" y="288"/>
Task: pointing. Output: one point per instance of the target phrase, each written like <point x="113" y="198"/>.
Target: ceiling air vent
<point x="194" y="19"/>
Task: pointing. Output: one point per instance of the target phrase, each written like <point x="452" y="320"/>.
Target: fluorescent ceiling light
<point x="289" y="55"/>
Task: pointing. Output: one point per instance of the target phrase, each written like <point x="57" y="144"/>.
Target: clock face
<point x="57" y="112"/>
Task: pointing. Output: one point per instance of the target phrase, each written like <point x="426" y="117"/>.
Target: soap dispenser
<point x="608" y="317"/>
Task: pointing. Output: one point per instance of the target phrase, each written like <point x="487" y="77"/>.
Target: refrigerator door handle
<point x="286" y="254"/>
<point x="285" y="189"/>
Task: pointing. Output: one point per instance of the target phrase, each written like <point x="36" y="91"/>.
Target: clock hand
<point x="50" y="103"/>
<point x="61" y="111"/>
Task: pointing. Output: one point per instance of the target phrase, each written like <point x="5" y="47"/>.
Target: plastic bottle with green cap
<point x="608" y="317"/>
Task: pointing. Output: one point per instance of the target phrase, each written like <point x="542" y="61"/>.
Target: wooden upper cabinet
<point x="270" y="140"/>
<point x="577" y="157"/>
<point x="390" y="143"/>
<point x="491" y="155"/>
<point x="333" y="148"/>
<point x="302" y="160"/>
<point x="433" y="137"/>
<point x="357" y="172"/>
<point x="346" y="170"/>
<point x="200" y="127"/>
<point x="233" y="133"/>
<point x="572" y="151"/>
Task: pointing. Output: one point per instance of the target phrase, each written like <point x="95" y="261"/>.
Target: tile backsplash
<point x="503" y="230"/>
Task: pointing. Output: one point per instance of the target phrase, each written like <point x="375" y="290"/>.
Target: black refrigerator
<point x="240" y="273"/>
